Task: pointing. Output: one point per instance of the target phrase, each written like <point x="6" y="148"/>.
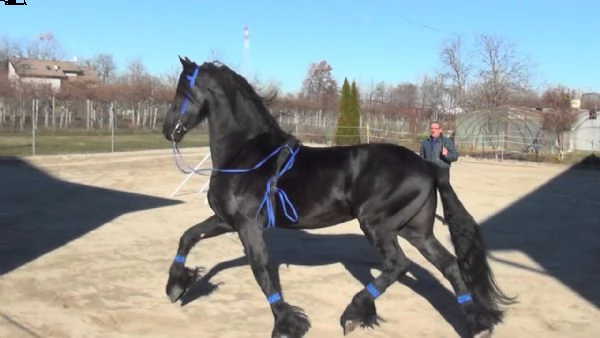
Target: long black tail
<point x="471" y="253"/>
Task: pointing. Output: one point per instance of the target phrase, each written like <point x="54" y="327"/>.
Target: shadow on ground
<point x="297" y="247"/>
<point x="40" y="213"/>
<point x="558" y="226"/>
<point x="545" y="224"/>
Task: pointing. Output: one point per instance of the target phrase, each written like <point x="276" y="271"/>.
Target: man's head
<point x="436" y="129"/>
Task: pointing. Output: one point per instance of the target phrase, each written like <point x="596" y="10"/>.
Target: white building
<point x="585" y="135"/>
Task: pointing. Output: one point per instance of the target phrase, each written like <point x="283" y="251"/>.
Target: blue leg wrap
<point x="180" y="259"/>
<point x="274" y="298"/>
<point x="464" y="298"/>
<point x="373" y="290"/>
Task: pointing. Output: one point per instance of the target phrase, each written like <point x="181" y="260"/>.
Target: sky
<point x="367" y="41"/>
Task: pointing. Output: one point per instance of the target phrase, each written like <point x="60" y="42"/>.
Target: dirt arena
<point x="86" y="243"/>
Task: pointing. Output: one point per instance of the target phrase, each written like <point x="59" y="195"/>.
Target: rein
<point x="268" y="200"/>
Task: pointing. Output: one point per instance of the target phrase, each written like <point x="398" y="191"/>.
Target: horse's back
<point x="366" y="159"/>
<point x="336" y="184"/>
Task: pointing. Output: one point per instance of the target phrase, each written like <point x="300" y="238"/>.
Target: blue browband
<point x="192" y="82"/>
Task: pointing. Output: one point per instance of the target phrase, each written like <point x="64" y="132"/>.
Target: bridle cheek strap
<point x="180" y="127"/>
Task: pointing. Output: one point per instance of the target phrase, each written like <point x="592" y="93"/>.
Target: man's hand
<point x="444" y="151"/>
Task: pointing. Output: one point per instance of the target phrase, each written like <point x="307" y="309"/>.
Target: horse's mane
<point x="233" y="83"/>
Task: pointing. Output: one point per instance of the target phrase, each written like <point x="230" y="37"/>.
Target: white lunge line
<point x="187" y="178"/>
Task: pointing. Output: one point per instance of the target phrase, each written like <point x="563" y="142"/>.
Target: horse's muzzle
<point x="178" y="132"/>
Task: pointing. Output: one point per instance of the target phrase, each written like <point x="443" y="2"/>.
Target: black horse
<point x="265" y="177"/>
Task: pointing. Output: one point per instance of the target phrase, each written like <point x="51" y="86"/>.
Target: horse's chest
<point x="231" y="193"/>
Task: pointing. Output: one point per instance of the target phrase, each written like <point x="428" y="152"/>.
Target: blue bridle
<point x="271" y="188"/>
<point x="180" y="127"/>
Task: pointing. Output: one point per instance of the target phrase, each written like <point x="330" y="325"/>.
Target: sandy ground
<point x="100" y="264"/>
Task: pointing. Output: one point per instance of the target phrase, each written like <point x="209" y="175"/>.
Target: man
<point x="439" y="149"/>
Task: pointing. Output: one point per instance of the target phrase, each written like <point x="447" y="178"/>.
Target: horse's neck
<point x="229" y="135"/>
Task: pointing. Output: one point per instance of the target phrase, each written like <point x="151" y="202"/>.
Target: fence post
<point x="112" y="127"/>
<point x="53" y="114"/>
<point x="33" y="123"/>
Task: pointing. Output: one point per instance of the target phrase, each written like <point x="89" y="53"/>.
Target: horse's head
<point x="215" y="91"/>
<point x="194" y="98"/>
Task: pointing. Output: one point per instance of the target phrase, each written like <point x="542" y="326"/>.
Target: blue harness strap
<point x="272" y="189"/>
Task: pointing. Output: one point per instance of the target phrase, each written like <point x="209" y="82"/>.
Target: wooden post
<point x="368" y="136"/>
<point x="112" y="127"/>
<point x="53" y="114"/>
<point x="34" y="107"/>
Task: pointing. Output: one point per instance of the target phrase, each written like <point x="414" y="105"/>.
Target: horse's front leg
<point x="181" y="277"/>
<point x="290" y="321"/>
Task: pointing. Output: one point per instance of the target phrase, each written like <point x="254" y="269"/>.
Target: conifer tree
<point x="354" y="115"/>
<point x="344" y="118"/>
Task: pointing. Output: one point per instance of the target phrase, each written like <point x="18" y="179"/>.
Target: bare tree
<point x="561" y="117"/>
<point x="319" y="86"/>
<point x="404" y="95"/>
<point x="381" y="93"/>
<point x="374" y="98"/>
<point x="105" y="65"/>
<point x="432" y="96"/>
<point x="6" y="49"/>
<point x="456" y="69"/>
<point x="501" y="72"/>
<point x="44" y="47"/>
<point x="171" y="77"/>
<point x="527" y="98"/>
<point x="136" y="71"/>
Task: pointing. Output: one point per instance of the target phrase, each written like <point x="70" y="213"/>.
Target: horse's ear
<point x="182" y="60"/>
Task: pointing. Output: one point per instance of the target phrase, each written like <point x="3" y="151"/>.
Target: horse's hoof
<point x="281" y="335"/>
<point x="483" y="334"/>
<point x="349" y="326"/>
<point x="177" y="286"/>
<point x="361" y="312"/>
<point x="291" y="321"/>
<point x="175" y="292"/>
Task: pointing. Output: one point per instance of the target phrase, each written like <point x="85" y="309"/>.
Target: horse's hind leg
<point x="419" y="233"/>
<point x="181" y="277"/>
<point x="362" y="311"/>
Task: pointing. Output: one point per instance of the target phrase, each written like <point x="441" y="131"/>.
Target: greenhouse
<point x="503" y="128"/>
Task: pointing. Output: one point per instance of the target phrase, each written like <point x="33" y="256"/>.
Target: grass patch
<point x="82" y="141"/>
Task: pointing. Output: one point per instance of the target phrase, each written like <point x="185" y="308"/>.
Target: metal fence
<point x="50" y="126"/>
<point x="491" y="146"/>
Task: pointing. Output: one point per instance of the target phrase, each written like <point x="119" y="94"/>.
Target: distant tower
<point x="246" y="53"/>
